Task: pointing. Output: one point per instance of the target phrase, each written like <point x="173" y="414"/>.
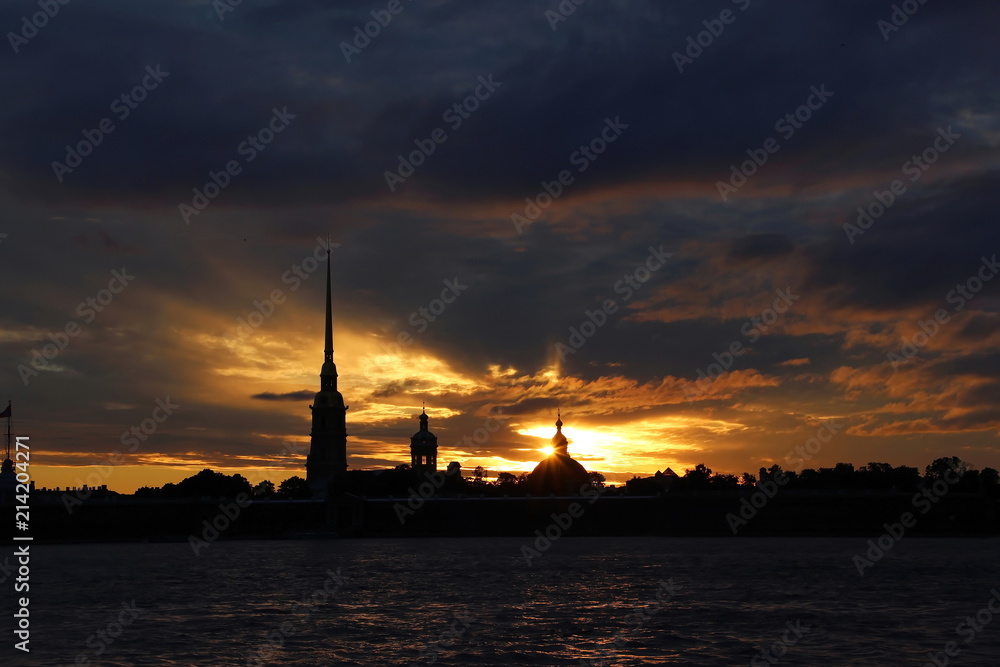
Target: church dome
<point x="559" y="472"/>
<point x="423" y="436"/>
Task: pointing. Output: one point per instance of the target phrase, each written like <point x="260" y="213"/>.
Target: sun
<point x="582" y="442"/>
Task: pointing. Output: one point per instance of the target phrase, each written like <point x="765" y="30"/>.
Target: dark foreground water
<point x="478" y="602"/>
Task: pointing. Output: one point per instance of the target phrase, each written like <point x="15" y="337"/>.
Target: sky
<point x="738" y="233"/>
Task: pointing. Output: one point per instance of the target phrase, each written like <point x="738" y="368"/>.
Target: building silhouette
<point x="327" y="460"/>
<point x="423" y="448"/>
<point x="558" y="473"/>
<point x="8" y="478"/>
<point x="326" y="463"/>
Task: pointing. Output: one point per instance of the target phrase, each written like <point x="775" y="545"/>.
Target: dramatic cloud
<point x="699" y="247"/>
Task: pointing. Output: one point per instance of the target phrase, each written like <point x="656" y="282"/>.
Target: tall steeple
<point x="327" y="459"/>
<point x="328" y="374"/>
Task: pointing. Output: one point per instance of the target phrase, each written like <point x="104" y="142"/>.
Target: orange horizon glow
<point x="615" y="425"/>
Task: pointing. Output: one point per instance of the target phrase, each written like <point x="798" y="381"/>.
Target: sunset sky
<point x="649" y="133"/>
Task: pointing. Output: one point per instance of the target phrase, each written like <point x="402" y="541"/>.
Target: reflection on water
<point x="618" y="601"/>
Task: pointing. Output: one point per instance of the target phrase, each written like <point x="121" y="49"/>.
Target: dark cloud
<point x="394" y="388"/>
<point x="174" y="331"/>
<point x="760" y="247"/>
<point x="530" y="406"/>
<point x="303" y="395"/>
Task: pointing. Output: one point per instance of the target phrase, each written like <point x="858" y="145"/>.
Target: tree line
<point x="873" y="476"/>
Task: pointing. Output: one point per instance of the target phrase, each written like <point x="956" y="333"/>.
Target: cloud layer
<point x="870" y="204"/>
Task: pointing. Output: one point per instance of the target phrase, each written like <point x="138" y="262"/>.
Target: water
<point x="396" y="602"/>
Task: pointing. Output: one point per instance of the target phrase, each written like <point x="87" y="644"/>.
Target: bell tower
<point x="423" y="448"/>
<point x="327" y="460"/>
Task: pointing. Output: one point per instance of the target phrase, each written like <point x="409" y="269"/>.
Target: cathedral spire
<point x="328" y="374"/>
<point x="328" y="351"/>
<point x="327" y="460"/>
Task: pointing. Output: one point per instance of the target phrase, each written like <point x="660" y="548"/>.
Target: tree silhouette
<point x="937" y="468"/>
<point x="212" y="484"/>
<point x="724" y="481"/>
<point x="877" y="468"/>
<point x="264" y="489"/>
<point x="699" y="476"/>
<point x="295" y="488"/>
<point x="506" y="480"/>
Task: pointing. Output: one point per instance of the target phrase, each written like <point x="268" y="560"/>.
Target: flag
<point x="6" y="412"/>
